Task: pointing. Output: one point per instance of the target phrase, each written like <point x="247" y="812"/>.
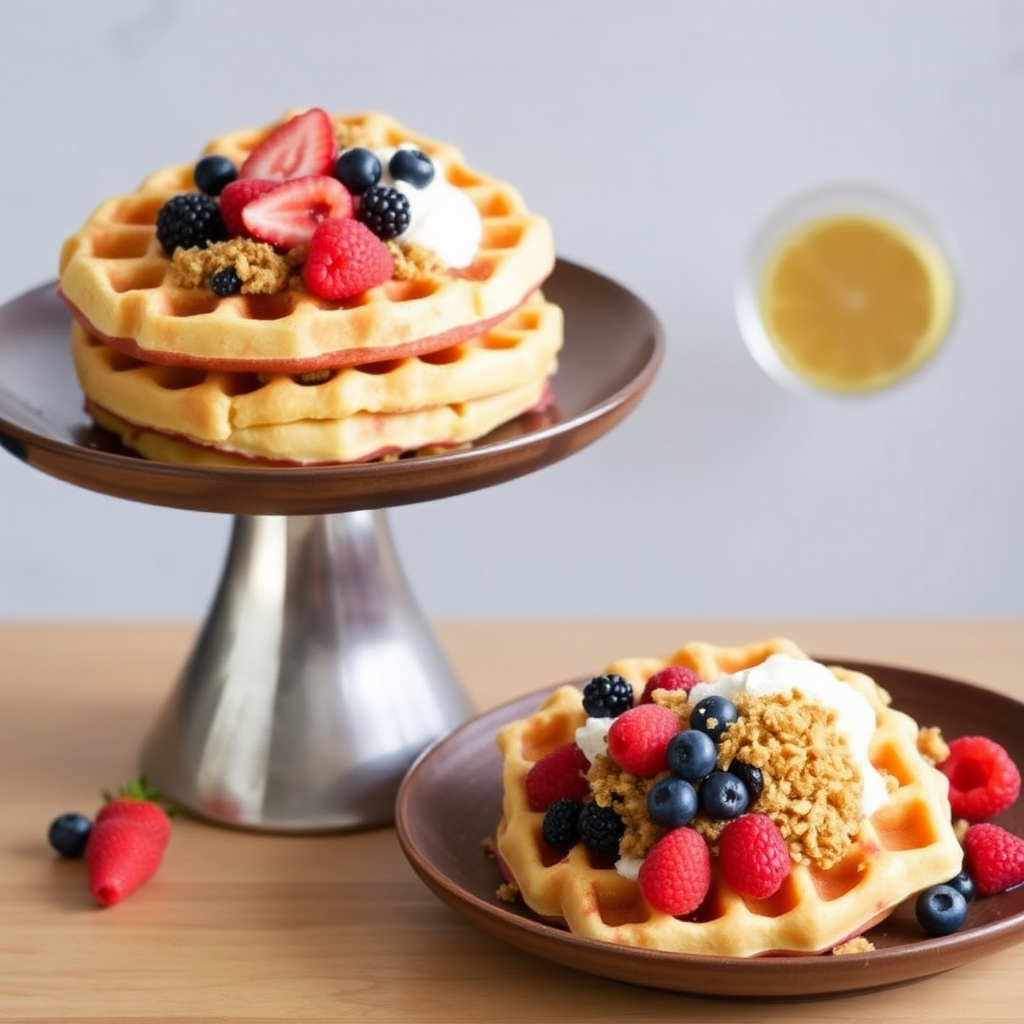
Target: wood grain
<point x="244" y="927"/>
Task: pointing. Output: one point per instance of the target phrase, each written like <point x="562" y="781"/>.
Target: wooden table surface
<point x="246" y="927"/>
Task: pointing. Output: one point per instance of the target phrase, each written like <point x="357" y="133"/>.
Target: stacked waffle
<point x="904" y="845"/>
<point x="328" y="289"/>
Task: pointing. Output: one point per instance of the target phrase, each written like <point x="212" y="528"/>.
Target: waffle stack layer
<point x="901" y="848"/>
<point x="429" y="359"/>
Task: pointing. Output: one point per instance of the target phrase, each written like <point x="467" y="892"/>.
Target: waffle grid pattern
<point x="905" y="846"/>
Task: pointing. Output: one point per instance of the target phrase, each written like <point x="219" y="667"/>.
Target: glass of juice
<point x="848" y="290"/>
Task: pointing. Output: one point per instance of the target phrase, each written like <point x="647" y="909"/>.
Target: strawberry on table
<point x="288" y="215"/>
<point x="127" y="842"/>
<point x="304" y="144"/>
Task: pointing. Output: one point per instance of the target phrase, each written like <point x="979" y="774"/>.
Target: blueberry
<point x="724" y="796"/>
<point x="941" y="910"/>
<point x="413" y="166"/>
<point x="964" y="884"/>
<point x="691" y="754"/>
<point x="358" y="170"/>
<point x="212" y="173"/>
<point x="69" y="833"/>
<point x="751" y="775"/>
<point x="713" y="715"/>
<point x="672" y="802"/>
<point x="226" y="282"/>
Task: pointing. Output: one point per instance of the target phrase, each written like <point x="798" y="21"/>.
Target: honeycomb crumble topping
<point x="413" y="261"/>
<point x="855" y="945"/>
<point x="812" y="790"/>
<point x="932" y="746"/>
<point x="261" y="269"/>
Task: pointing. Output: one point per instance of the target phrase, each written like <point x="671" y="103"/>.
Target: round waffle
<point x="216" y="407"/>
<point x="903" y="847"/>
<point x="117" y="279"/>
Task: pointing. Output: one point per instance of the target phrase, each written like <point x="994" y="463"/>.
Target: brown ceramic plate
<point x="451" y="800"/>
<point x="613" y="347"/>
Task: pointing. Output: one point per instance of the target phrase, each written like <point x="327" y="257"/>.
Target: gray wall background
<point x="657" y="136"/>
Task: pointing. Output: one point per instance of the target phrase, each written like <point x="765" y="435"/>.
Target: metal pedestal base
<point x="313" y="685"/>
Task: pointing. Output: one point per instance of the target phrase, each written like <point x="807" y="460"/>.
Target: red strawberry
<point x="141" y="804"/>
<point x="126" y="843"/>
<point x="638" y="737"/>
<point x="994" y="858"/>
<point x="236" y="196"/>
<point x="753" y="856"/>
<point x="289" y="214"/>
<point x="676" y="874"/>
<point x="674" y="677"/>
<point x="983" y="780"/>
<point x="558" y="774"/>
<point x="345" y="258"/>
<point x="121" y="854"/>
<point x="303" y="145"/>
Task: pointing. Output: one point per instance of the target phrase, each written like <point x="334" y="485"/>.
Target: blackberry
<point x="226" y="282"/>
<point x="413" y="166"/>
<point x="385" y="211"/>
<point x="560" y="829"/>
<point x="601" y="829"/>
<point x="190" y="219"/>
<point x="213" y="172"/>
<point x="607" y="696"/>
<point x="69" y="833"/>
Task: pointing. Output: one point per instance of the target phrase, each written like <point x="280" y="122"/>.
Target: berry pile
<point x="123" y="845"/>
<point x="685" y="780"/>
<point x="292" y="191"/>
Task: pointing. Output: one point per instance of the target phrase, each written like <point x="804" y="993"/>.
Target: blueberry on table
<point x="69" y="833"/>
<point x="964" y="884"/>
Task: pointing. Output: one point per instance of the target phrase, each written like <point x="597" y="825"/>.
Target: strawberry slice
<point x="303" y="145"/>
<point x="236" y="196"/>
<point x="289" y="214"/>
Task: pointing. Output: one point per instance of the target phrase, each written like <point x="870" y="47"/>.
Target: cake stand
<point x="315" y="680"/>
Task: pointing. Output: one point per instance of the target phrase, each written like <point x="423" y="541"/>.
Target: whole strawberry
<point x="753" y="856"/>
<point x="127" y="842"/>
<point x="676" y="874"/>
<point x="994" y="858"/>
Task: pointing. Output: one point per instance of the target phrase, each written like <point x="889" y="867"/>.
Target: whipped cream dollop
<point x="855" y="718"/>
<point x="442" y="217"/>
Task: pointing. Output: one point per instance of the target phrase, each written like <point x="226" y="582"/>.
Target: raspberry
<point x="753" y="856"/>
<point x="675" y="677"/>
<point x="345" y="259"/>
<point x="983" y="780"/>
<point x="994" y="857"/>
<point x="607" y="696"/>
<point x="558" y="774"/>
<point x="638" y="737"/>
<point x="676" y="874"/>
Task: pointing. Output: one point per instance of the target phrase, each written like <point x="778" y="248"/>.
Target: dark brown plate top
<point x="613" y="348"/>
<point x="451" y="800"/>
